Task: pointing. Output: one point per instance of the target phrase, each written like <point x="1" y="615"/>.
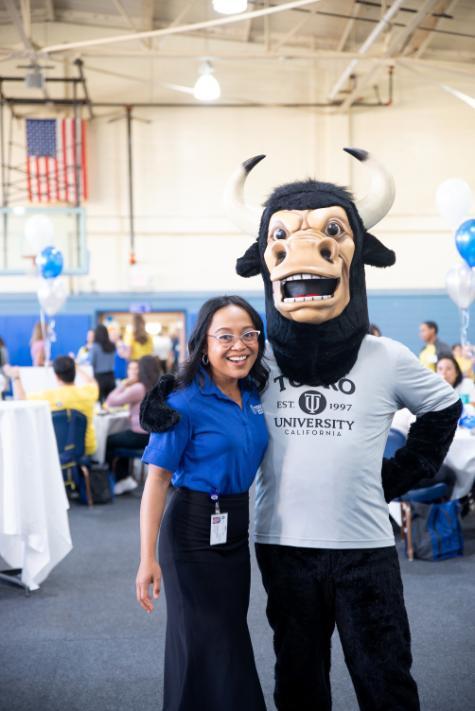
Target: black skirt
<point x="209" y="661"/>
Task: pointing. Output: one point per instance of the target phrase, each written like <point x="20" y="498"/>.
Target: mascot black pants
<point x="309" y="591"/>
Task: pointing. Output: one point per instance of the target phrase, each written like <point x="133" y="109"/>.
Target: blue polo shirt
<point x="216" y="444"/>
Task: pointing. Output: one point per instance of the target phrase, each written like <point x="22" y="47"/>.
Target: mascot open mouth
<point x="307" y="287"/>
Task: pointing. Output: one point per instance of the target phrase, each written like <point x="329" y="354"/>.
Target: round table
<point x="34" y="526"/>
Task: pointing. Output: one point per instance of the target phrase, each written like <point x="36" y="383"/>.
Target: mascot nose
<point x="304" y="249"/>
<point x="328" y="249"/>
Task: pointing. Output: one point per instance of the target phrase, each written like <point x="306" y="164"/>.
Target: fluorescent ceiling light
<point x="230" y="7"/>
<point x="207" y="87"/>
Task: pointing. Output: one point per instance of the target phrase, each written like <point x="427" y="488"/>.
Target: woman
<point x="139" y="343"/>
<point x="82" y="356"/>
<point x="448" y="368"/>
<point x="37" y="345"/>
<point x="211" y="457"/>
<point x="101" y="357"/>
<point x="142" y="375"/>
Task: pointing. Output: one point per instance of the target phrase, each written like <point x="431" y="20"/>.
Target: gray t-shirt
<point x="320" y="482"/>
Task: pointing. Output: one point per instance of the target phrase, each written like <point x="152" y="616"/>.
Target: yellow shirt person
<point x="136" y="349"/>
<point x="66" y="396"/>
<point x="74" y="397"/>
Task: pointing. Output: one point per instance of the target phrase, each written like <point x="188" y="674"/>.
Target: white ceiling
<point x="318" y="53"/>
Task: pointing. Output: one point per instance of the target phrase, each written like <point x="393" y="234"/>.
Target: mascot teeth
<point x="307" y="287"/>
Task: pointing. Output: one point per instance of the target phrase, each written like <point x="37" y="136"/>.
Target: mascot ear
<point x="375" y="253"/>
<point x="249" y="264"/>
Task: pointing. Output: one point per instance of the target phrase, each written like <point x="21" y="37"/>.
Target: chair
<point x="428" y="495"/>
<point x="70" y="430"/>
<point x="395" y="441"/>
<point x="130" y="454"/>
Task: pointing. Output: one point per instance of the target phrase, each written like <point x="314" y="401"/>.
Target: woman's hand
<point x="149" y="573"/>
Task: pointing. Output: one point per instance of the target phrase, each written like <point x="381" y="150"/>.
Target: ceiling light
<point x="34" y="79"/>
<point x="230" y="7"/>
<point x="207" y="87"/>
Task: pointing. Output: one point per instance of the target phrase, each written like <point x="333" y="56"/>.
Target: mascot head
<point x="312" y="245"/>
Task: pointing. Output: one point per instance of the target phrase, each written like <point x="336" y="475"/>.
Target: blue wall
<point x="398" y="314"/>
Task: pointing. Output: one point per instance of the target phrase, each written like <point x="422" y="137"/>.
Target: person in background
<point x="162" y="348"/>
<point x="120" y="363"/>
<point x="374" y="330"/>
<point x="82" y="356"/>
<point x="37" y="345"/>
<point x="66" y="396"/>
<point x="449" y="369"/>
<point x="101" y="357"/>
<point x="138" y="343"/>
<point x="142" y="375"/>
<point x="3" y="361"/>
<point x="434" y="348"/>
<point x="175" y="351"/>
<point x="464" y="359"/>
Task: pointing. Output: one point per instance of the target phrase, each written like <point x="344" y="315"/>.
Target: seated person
<point x="448" y="368"/>
<point x="66" y="396"/>
<point x="142" y="375"/>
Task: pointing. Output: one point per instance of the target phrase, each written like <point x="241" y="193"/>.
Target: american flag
<point x="56" y="165"/>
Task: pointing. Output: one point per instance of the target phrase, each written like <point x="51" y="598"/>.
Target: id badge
<point x="219" y="529"/>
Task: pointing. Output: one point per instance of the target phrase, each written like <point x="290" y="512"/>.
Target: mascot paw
<point x="155" y="413"/>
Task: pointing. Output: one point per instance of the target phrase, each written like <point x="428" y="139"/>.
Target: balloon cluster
<point x="454" y="199"/>
<point x="52" y="289"/>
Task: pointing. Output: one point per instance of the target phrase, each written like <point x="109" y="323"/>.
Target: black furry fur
<point x="426" y="448"/>
<point x="155" y="414"/>
<point x="310" y="590"/>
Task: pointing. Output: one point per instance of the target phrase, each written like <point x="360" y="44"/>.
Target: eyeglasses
<point x="226" y="340"/>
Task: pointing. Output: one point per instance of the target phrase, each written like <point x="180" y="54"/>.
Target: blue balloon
<point x="465" y="241"/>
<point x="50" y="261"/>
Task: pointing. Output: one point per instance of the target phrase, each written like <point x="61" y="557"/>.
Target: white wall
<point x="183" y="156"/>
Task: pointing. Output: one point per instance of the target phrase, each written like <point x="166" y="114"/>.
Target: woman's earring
<point x="204" y="359"/>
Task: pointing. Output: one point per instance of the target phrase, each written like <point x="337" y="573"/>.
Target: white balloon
<point x="39" y="233"/>
<point x="52" y="293"/>
<point x="454" y="199"/>
<point x="460" y="283"/>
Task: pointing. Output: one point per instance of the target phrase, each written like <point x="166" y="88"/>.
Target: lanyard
<point x="214" y="496"/>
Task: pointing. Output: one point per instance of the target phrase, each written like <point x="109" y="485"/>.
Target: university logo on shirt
<point x="312" y="402"/>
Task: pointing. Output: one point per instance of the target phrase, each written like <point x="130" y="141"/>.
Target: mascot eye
<point x="334" y="229"/>
<point x="279" y="233"/>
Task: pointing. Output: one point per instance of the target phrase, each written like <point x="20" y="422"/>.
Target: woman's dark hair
<point x="138" y="328"/>
<point x="459" y="374"/>
<point x="101" y="336"/>
<point x="196" y="344"/>
<point x="150" y="370"/>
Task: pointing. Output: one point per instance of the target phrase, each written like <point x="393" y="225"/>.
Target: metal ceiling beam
<point x="349" y="26"/>
<point x="382" y="25"/>
<point x="395" y="47"/>
<point x="50" y="13"/>
<point x="148" y="13"/>
<point x="448" y="9"/>
<point x="181" y="29"/>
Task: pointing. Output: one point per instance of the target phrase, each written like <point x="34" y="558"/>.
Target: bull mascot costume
<point x="324" y="541"/>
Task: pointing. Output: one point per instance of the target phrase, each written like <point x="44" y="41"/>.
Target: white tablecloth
<point x="105" y="425"/>
<point x="34" y="527"/>
<point x="35" y="379"/>
<point x="461" y="458"/>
